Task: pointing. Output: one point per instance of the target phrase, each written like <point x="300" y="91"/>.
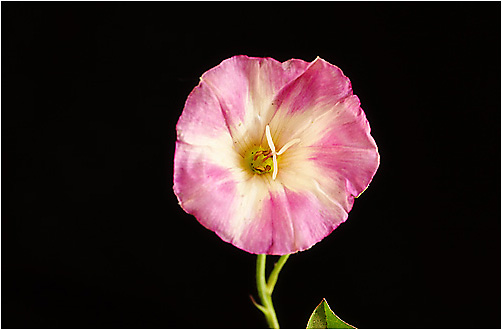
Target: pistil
<point x="265" y="160"/>
<point x="274" y="153"/>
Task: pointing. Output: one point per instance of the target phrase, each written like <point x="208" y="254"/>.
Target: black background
<point x="93" y="237"/>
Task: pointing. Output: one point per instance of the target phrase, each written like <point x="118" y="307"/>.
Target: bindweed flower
<point x="271" y="155"/>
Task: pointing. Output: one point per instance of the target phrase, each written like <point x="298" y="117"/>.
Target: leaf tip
<point x="324" y="318"/>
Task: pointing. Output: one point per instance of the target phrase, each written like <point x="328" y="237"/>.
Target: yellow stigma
<point x="260" y="160"/>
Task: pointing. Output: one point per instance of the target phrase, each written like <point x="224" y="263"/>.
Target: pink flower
<point x="270" y="155"/>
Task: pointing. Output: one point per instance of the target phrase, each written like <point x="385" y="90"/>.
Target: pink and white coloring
<point x="271" y="155"/>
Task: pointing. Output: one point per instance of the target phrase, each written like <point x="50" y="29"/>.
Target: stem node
<point x="265" y="288"/>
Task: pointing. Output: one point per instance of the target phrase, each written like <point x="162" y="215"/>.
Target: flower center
<point x="261" y="160"/>
<point x="264" y="160"/>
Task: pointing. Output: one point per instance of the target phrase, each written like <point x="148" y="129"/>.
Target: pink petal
<point x="235" y="98"/>
<point x="321" y="84"/>
<point x="203" y="188"/>
<point x="245" y="88"/>
<point x="241" y="79"/>
<point x="346" y="146"/>
<point x="318" y="108"/>
<point x="202" y="118"/>
<point x="290" y="222"/>
<point x="347" y="126"/>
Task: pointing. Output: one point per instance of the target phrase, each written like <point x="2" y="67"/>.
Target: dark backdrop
<point x="93" y="237"/>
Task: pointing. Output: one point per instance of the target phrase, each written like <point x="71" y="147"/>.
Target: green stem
<point x="265" y="288"/>
<point x="274" y="275"/>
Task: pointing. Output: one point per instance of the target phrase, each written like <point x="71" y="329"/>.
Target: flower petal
<point x="290" y="222"/>
<point x="318" y="108"/>
<point x="203" y="188"/>
<point x="222" y="196"/>
<point x="202" y="119"/>
<point x="245" y="88"/>
<point x="336" y="158"/>
<point x="321" y="84"/>
<point x="343" y="144"/>
<point x="308" y="99"/>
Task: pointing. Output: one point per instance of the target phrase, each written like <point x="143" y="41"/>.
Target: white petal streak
<point x="325" y="195"/>
<point x="250" y="196"/>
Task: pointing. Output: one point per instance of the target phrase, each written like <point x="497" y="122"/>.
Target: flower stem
<point x="274" y="275"/>
<point x="265" y="288"/>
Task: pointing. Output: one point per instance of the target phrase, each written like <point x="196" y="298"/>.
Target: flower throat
<point x="261" y="160"/>
<point x="264" y="160"/>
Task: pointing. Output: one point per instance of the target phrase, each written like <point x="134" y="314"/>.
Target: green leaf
<point x="324" y="318"/>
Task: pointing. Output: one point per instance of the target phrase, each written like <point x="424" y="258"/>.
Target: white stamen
<point x="269" y="139"/>
<point x="287" y="145"/>
<point x="276" y="167"/>
<point x="272" y="149"/>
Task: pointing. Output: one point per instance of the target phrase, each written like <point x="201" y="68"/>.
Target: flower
<point x="270" y="155"/>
